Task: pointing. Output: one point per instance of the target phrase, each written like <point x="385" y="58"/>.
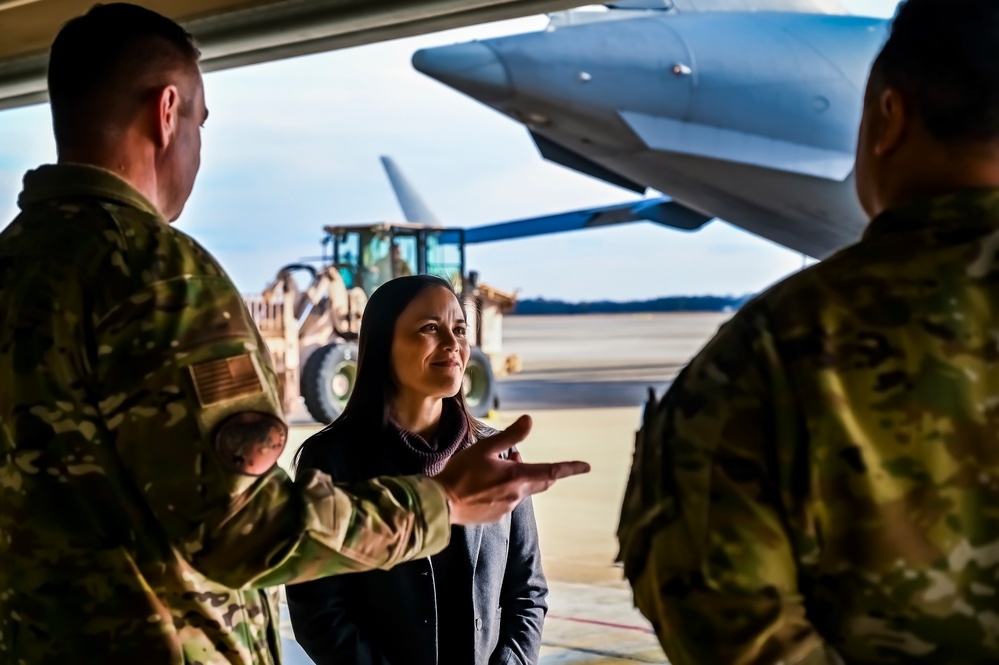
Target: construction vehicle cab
<point x="312" y="334"/>
<point x="367" y="256"/>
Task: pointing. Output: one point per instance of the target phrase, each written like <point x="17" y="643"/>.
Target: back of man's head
<point x="943" y="55"/>
<point x="104" y="65"/>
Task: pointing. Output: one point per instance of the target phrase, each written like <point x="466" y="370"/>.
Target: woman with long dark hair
<point x="481" y="601"/>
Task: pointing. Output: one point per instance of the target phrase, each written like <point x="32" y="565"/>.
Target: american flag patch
<point x="225" y="379"/>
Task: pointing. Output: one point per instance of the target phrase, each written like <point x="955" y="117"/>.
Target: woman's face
<point x="430" y="346"/>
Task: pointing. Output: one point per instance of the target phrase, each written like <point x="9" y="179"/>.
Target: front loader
<point x="312" y="333"/>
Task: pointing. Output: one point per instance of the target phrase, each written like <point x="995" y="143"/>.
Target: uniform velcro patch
<point x="251" y="443"/>
<point x="225" y="379"/>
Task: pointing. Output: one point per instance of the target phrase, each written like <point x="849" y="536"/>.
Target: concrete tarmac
<point x="584" y="381"/>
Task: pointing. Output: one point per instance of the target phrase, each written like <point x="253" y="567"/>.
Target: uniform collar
<point x="52" y="181"/>
<point x="965" y="210"/>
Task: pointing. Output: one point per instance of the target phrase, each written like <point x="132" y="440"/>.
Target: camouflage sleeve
<point x="190" y="399"/>
<point x="704" y="537"/>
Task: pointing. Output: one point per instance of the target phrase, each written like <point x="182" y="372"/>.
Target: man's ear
<point x="894" y="119"/>
<point x="167" y="117"/>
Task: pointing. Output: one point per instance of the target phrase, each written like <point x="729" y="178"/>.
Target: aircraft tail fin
<point x="413" y="207"/>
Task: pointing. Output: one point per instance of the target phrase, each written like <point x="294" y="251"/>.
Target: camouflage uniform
<point x="126" y="533"/>
<point x="823" y="480"/>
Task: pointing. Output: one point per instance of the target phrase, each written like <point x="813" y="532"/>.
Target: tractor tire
<point x="328" y="380"/>
<point x="479" y="384"/>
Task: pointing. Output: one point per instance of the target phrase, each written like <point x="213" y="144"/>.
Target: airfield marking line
<point x="600" y="652"/>
<point x="608" y="624"/>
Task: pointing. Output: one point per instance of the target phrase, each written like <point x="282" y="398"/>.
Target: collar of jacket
<point x="52" y="181"/>
<point x="965" y="211"/>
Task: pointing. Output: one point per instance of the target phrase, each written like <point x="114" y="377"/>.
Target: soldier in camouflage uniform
<point x="142" y="517"/>
<point x="821" y="484"/>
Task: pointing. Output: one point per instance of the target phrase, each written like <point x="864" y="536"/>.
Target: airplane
<point x="662" y="210"/>
<point x="746" y="116"/>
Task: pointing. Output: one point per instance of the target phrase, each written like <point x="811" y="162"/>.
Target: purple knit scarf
<point x="415" y="454"/>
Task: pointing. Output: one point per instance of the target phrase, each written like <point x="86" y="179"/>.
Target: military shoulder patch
<point x="251" y="443"/>
<point x="221" y="380"/>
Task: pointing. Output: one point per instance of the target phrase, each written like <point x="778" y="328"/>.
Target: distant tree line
<point x="538" y="306"/>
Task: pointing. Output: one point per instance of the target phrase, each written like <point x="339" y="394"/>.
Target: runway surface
<point x="586" y="362"/>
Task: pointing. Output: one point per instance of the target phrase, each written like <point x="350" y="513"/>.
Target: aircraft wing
<point x="234" y="33"/>
<point x="663" y="210"/>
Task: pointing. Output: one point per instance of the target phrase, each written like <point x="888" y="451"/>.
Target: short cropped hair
<point x="99" y="63"/>
<point x="943" y="55"/>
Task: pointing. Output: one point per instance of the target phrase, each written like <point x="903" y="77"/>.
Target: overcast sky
<point x="294" y="145"/>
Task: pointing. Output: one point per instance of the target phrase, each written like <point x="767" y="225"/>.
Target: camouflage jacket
<point x="123" y="536"/>
<point x="822" y="481"/>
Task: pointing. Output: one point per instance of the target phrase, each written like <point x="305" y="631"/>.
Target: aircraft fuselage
<point x="750" y="117"/>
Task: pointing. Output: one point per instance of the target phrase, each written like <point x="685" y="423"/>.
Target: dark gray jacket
<point x="390" y="617"/>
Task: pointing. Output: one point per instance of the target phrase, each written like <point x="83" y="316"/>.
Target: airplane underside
<point x="808" y="215"/>
<point x="812" y="215"/>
